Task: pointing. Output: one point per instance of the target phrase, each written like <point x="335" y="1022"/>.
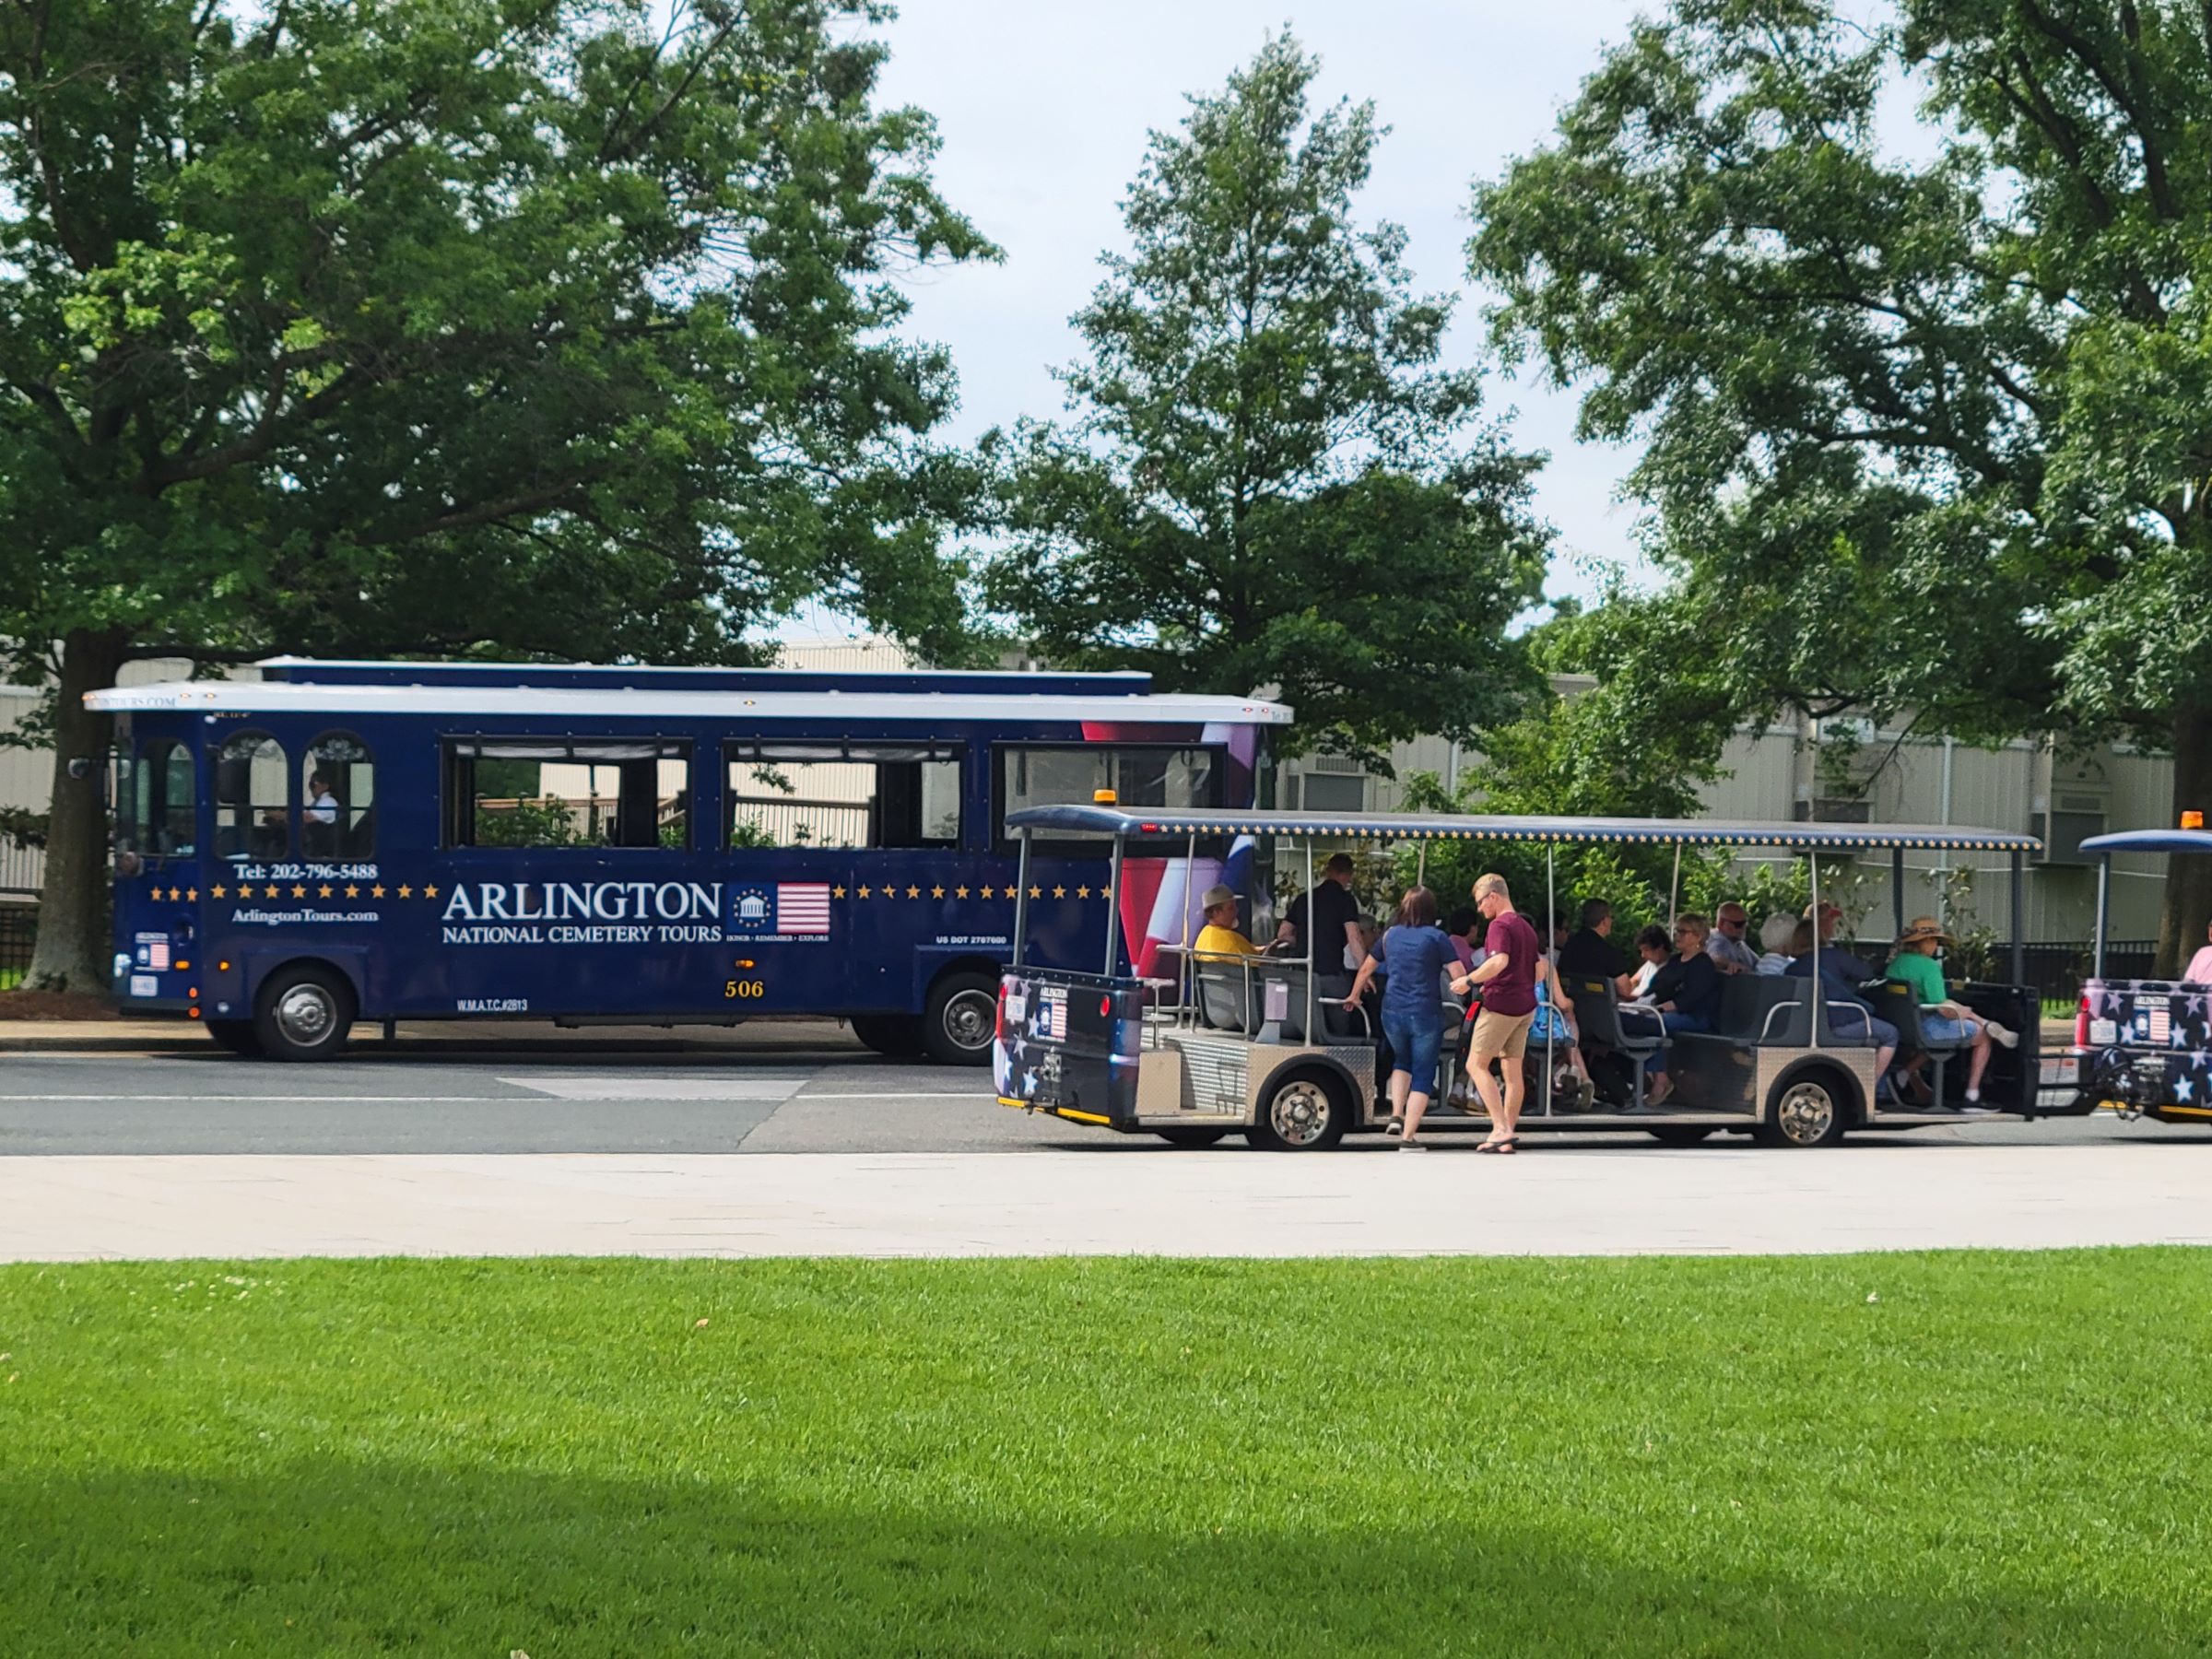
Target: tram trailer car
<point x="338" y="842"/>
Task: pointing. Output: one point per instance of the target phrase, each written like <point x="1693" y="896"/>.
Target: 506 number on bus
<point x="745" y="989"/>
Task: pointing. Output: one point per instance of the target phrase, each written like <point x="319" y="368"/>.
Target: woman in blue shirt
<point x="1411" y="957"/>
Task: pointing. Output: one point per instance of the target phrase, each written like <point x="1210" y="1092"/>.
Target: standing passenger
<point x="1411" y="957"/>
<point x="1508" y="976"/>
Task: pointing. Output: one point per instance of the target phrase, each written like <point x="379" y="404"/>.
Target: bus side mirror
<point x="80" y="767"/>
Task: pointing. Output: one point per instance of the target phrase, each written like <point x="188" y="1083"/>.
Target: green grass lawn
<point x="2001" y="1454"/>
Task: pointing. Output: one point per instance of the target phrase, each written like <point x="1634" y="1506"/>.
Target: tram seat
<point x="1895" y="1002"/>
<point x="1597" y="1013"/>
<point x="1291" y="1027"/>
<point x="1224" y="1002"/>
<point x="1339" y="1023"/>
<point x="1748" y="1004"/>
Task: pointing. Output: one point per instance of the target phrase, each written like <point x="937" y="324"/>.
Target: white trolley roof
<point x="543" y="703"/>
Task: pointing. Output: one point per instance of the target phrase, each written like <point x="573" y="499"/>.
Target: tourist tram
<point x="1159" y="1042"/>
<point x="2142" y="1048"/>
<point x="403" y="841"/>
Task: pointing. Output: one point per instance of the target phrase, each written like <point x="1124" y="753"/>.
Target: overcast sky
<point x="1043" y="106"/>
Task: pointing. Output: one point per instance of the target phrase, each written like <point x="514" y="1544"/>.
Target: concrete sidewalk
<point x="1553" y="1200"/>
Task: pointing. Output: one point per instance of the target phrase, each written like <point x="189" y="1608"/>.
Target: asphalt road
<point x="834" y="1098"/>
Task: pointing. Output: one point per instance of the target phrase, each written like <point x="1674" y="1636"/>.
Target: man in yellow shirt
<point x="1219" y="937"/>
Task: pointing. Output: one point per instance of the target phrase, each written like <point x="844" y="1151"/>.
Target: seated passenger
<point x="1651" y="946"/>
<point x="1370" y="931"/>
<point x="2199" y="971"/>
<point x="1220" y="939"/>
<point x="1554" y="1028"/>
<point x="1943" y="1020"/>
<point x="1684" y="995"/>
<point x="1848" y="1014"/>
<point x="1846" y="966"/>
<point x="1731" y="953"/>
<point x="1774" y="943"/>
<point x="1592" y="953"/>
<point x="1460" y="927"/>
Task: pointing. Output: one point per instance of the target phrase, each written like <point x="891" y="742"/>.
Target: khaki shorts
<point x="1502" y="1034"/>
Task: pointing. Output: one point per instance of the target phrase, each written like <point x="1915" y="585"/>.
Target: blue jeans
<point x="1415" y="1043"/>
<point x="1848" y="1020"/>
<point x="1649" y="1019"/>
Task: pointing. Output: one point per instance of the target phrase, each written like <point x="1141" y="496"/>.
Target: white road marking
<point x="752" y="1088"/>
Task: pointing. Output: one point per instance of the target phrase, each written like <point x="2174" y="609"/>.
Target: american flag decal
<point x="2161" y="1021"/>
<point x="802" y="907"/>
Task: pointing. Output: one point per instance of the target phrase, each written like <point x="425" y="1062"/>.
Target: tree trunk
<point x="73" y="950"/>
<point x="2188" y="904"/>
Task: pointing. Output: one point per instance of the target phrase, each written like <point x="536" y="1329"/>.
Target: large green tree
<point x="1267" y="480"/>
<point x="512" y="326"/>
<point x="1928" y="412"/>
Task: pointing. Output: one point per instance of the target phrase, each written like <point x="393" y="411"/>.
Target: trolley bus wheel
<point x="897" y="1036"/>
<point x="237" y="1035"/>
<point x="1303" y="1112"/>
<point x="304" y="1014"/>
<point x="962" y="1018"/>
<point x="1190" y="1135"/>
<point x="1805" y="1111"/>
<point x="1679" y="1135"/>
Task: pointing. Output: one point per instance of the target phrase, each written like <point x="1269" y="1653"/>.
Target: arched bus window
<point x="338" y="798"/>
<point x="159" y="816"/>
<point x="252" y="813"/>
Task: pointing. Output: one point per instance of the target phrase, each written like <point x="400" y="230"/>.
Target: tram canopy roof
<point x="2150" y="841"/>
<point x="1416" y="825"/>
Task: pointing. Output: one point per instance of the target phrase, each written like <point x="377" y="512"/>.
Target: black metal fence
<point x="2055" y="968"/>
<point x="18" y="928"/>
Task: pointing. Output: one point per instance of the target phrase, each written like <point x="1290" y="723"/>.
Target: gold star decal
<point x="299" y="891"/>
<point x="324" y="890"/>
<point x="273" y="891"/>
<point x="915" y="892"/>
<point x="376" y="893"/>
<point x="864" y="892"/>
<point x="353" y="890"/>
<point x="406" y="892"/>
<point x="1105" y="893"/>
<point x="175" y="894"/>
<point x="1035" y="892"/>
<point x="837" y="892"/>
<point x="220" y="891"/>
<point x="1082" y="892"/>
<point x="1059" y="892"/>
<point x="192" y="894"/>
<point x="959" y="892"/>
<point x="430" y="892"/>
<point x="936" y="892"/>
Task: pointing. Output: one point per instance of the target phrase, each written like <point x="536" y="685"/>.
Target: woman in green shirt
<point x="1941" y="1019"/>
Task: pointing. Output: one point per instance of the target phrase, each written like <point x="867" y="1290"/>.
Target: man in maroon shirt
<point x="1508" y="977"/>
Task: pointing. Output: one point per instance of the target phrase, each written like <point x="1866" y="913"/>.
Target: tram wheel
<point x="236" y="1035"/>
<point x="897" y="1036"/>
<point x="1306" y="1112"/>
<point x="1190" y="1135"/>
<point x="961" y="1019"/>
<point x="304" y="1013"/>
<point x="1679" y="1135"/>
<point x="1806" y="1109"/>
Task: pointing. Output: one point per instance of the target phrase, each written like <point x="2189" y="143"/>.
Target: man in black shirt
<point x="1592" y="953"/>
<point x="1334" y="910"/>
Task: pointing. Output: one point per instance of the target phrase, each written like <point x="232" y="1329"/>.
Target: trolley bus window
<point x="837" y="795"/>
<point x="338" y="798"/>
<point x="534" y="791"/>
<point x="252" y="807"/>
<point x="1140" y="774"/>
<point x="159" y="803"/>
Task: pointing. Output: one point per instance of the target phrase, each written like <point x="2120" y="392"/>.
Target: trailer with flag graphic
<point x="339" y="842"/>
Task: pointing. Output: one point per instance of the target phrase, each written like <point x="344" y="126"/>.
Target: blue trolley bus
<point x="336" y="841"/>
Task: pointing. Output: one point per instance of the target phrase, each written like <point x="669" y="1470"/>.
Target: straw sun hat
<point x="1923" y="929"/>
